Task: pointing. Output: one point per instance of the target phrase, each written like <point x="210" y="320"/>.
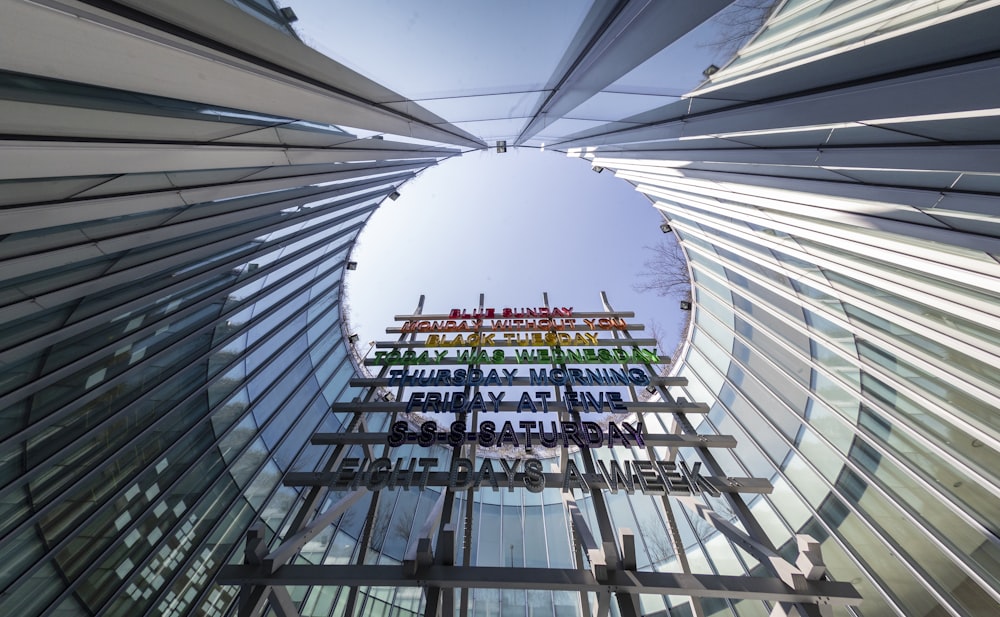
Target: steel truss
<point x="605" y="561"/>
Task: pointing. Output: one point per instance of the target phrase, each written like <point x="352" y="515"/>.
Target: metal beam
<point x="508" y="360"/>
<point x="645" y="342"/>
<point x="445" y="555"/>
<point x="419" y="553"/>
<point x="630" y="407"/>
<point x="281" y="555"/>
<point x="656" y="441"/>
<point x="628" y="604"/>
<point x="253" y="597"/>
<point x="635" y="33"/>
<point x="595" y="481"/>
<point x="383" y="382"/>
<point x="580" y="327"/>
<point x="573" y="315"/>
<point x="256" y="63"/>
<point x="21" y="159"/>
<point x="81" y="210"/>
<point x="556" y="579"/>
<point x="281" y="602"/>
<point x="876" y="102"/>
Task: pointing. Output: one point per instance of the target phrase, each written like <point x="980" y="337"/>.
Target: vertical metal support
<point x="578" y="554"/>
<point x="603" y="607"/>
<point x="579" y="548"/>
<point x="603" y="556"/>
<point x="611" y="557"/>
<point x="281" y="602"/>
<point x="679" y="421"/>
<point x="412" y="561"/>
<point x="628" y="603"/>
<point x="366" y="534"/>
<point x="251" y="597"/>
<point x="352" y="597"/>
<point x="674" y="534"/>
<point x="432" y="595"/>
<point x="446" y="557"/>
<point x="627" y="541"/>
<point x="463" y="599"/>
<point x="576" y="537"/>
<point x="810" y="564"/>
<point x="678" y="544"/>
<point x="432" y="602"/>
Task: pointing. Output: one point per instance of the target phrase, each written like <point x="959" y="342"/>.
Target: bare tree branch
<point x="665" y="272"/>
<point x="657" y="540"/>
<point x="739" y="22"/>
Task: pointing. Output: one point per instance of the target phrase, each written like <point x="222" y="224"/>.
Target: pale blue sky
<point x="508" y="225"/>
<point x="511" y="226"/>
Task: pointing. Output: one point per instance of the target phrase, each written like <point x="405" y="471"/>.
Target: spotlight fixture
<point x="389" y="396"/>
<point x="501" y="147"/>
<point x="288" y="14"/>
<point x="651" y="389"/>
<point x="685" y="305"/>
<point x="597" y="168"/>
<point x="352" y="339"/>
<point x="665" y="228"/>
<point x="394" y="195"/>
<point x="711" y="70"/>
<point x="378" y="137"/>
<point x="352" y="265"/>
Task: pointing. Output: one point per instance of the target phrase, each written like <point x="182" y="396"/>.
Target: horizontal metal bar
<point x="605" y="342"/>
<point x="595" y="482"/>
<point x="486" y="328"/>
<point x="574" y="315"/>
<point x="383" y="382"/>
<point x="630" y="407"/>
<point x="557" y="579"/>
<point x="453" y="361"/>
<point x="657" y="441"/>
<point x="660" y="380"/>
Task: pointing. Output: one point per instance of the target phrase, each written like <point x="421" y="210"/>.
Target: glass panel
<point x="448" y="37"/>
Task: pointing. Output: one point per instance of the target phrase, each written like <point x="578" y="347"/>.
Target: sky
<point x="487" y="66"/>
<point x="510" y="226"/>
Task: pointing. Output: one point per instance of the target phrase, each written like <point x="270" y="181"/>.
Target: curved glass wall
<point x="815" y="362"/>
<point x="179" y="201"/>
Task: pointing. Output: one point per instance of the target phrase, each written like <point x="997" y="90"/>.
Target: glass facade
<point x="181" y="187"/>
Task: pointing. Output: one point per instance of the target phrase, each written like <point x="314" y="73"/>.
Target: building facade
<point x="182" y="183"/>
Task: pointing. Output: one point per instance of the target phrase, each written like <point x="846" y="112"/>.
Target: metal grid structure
<point x="440" y="563"/>
<point x="180" y="200"/>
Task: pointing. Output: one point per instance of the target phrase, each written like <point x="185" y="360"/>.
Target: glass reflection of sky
<point x="488" y="67"/>
<point x="447" y="48"/>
